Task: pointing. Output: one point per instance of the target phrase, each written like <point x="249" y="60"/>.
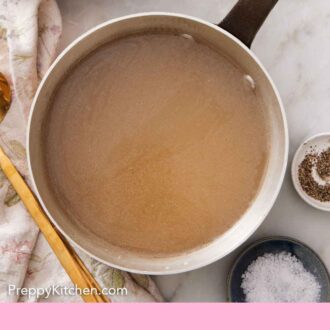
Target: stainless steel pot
<point x="243" y="21"/>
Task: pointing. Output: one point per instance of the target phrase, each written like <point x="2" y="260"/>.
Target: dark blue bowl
<point x="308" y="257"/>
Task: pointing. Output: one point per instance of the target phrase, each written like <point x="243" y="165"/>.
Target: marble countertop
<point x="294" y="46"/>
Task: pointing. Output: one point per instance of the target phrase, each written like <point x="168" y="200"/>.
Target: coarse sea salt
<point x="279" y="277"/>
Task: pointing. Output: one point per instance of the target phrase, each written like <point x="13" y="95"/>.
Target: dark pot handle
<point x="246" y="18"/>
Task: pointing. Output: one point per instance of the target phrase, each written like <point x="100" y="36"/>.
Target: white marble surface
<point x="294" y="45"/>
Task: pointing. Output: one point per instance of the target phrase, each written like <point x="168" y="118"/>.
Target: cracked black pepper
<point x="321" y="163"/>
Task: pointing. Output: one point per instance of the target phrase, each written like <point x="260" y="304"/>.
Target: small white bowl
<point x="317" y="143"/>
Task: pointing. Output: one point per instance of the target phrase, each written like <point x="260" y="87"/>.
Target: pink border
<point x="165" y="316"/>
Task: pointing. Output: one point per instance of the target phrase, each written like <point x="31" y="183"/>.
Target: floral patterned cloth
<point x="29" y="34"/>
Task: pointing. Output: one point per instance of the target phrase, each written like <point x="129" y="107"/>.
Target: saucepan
<point x="233" y="37"/>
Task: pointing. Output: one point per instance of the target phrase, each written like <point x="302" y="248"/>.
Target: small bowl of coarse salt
<point x="278" y="269"/>
<point x="310" y="171"/>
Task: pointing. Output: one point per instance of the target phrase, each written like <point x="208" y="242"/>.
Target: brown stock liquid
<point x="156" y="143"/>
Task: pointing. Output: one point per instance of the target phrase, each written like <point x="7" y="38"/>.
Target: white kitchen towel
<point x="29" y="35"/>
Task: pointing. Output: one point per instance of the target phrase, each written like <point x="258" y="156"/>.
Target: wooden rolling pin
<point x="64" y="252"/>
